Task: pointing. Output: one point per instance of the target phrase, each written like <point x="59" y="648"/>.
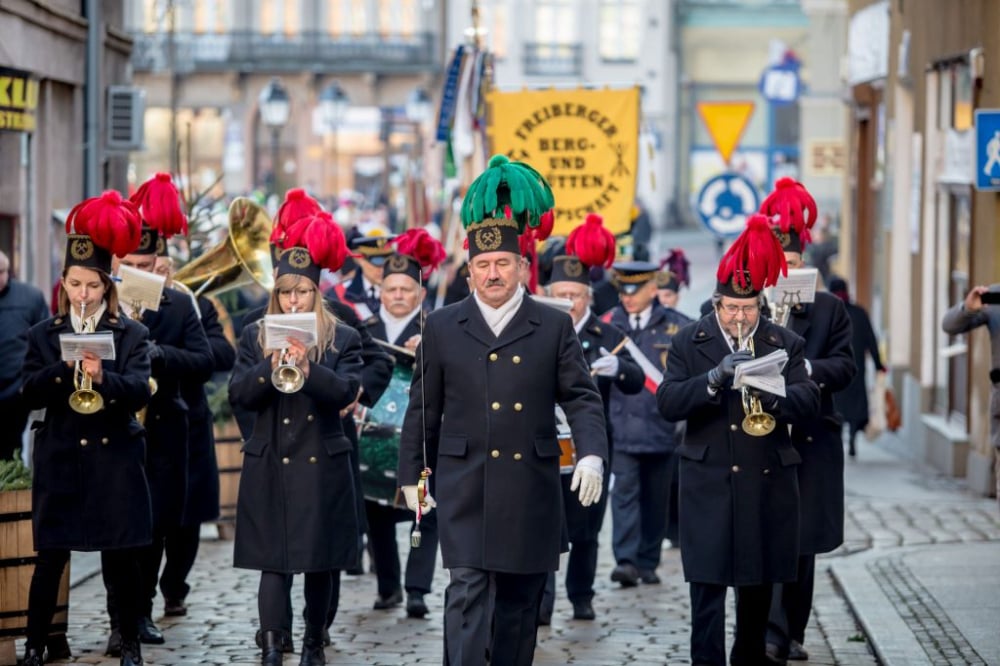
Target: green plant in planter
<point x="13" y="474"/>
<point x="217" y="394"/>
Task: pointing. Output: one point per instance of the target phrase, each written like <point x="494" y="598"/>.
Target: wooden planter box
<point x="17" y="564"/>
<point x="228" y="454"/>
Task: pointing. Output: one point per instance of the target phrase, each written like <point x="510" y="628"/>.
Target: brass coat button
<point x="312" y="459"/>
<point x="732" y="427"/>
<point x="285" y="460"/>
<point x="516" y="359"/>
<point x="494" y="356"/>
<point x="310" y="417"/>
<point x="58" y="321"/>
<point x="260" y="380"/>
<point x="517" y="456"/>
<point x="809" y="438"/>
<point x="58" y="380"/>
<point x="736" y="468"/>
<point x="286" y="420"/>
<point x="495" y="453"/>
<point x="767" y="471"/>
<point x="518" y="406"/>
<point x="104" y="440"/>
<point x="157" y="417"/>
<point x="495" y="406"/>
<point x="84" y="442"/>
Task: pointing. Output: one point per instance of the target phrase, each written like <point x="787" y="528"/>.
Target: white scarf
<point x="394" y="326"/>
<point x="498" y="318"/>
<point x="91" y="321"/>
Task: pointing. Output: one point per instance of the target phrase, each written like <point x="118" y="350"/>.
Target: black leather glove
<point x="768" y="401"/>
<point x="155" y="352"/>
<point x="722" y="374"/>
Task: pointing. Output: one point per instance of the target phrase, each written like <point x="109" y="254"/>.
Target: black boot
<point x="131" y="652"/>
<point x="270" y="653"/>
<point x="312" y="647"/>
<point x="58" y="647"/>
<point x="32" y="657"/>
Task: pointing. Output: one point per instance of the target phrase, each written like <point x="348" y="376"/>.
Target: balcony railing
<point x="553" y="59"/>
<point x="311" y="51"/>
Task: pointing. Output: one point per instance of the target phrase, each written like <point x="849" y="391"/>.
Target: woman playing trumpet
<point x="89" y="489"/>
<point x="297" y="509"/>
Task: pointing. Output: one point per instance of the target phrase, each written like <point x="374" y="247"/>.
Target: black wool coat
<point x="488" y="406"/>
<point x="297" y="510"/>
<point x="826" y="329"/>
<point x="89" y="488"/>
<point x="739" y="494"/>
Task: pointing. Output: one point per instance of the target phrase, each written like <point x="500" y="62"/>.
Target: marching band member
<point x="89" y="488"/>
<point x="673" y="275"/>
<point x="296" y="505"/>
<point x="398" y="322"/>
<point x="739" y="498"/>
<point x="643" y="441"/>
<point x="490" y="371"/>
<point x="179" y="351"/>
<point x="826" y="328"/>
<point x="363" y="291"/>
<point x="611" y="365"/>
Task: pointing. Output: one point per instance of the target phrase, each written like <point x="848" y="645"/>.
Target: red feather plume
<point x="790" y="206"/>
<point x="160" y="204"/>
<point x="591" y="243"/>
<point x="758" y="252"/>
<point x="112" y="222"/>
<point x="421" y="246"/>
<point x="323" y="237"/>
<point x="296" y="207"/>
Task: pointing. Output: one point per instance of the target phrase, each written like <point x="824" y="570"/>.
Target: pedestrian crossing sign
<point x="988" y="150"/>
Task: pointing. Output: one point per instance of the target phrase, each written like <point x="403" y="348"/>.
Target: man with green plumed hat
<point x="491" y="371"/>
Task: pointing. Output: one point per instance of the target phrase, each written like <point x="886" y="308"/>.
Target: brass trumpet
<point x="287" y="377"/>
<point x="84" y="399"/>
<point x="756" y="421"/>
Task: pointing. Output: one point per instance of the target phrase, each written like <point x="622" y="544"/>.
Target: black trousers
<point x="121" y="569"/>
<point x="149" y="558"/>
<point x="507" y="627"/>
<point x="791" y="605"/>
<point x="639" y="507"/>
<point x="15" y="418"/>
<point x="333" y="604"/>
<point x="181" y="549"/>
<point x="385" y="551"/>
<point x="708" y="625"/>
<point x="274" y="599"/>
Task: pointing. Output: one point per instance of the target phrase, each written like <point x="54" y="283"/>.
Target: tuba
<point x="84" y="399"/>
<point x="244" y="256"/>
<point x="756" y="422"/>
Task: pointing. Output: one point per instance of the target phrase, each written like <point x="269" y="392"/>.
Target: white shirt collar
<point x="644" y="317"/>
<point x="725" y="333"/>
<point x="92" y="320"/>
<point x="498" y="318"/>
<point x="394" y="325"/>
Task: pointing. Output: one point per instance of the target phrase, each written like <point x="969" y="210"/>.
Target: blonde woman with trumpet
<point x="89" y="488"/>
<point x="297" y="508"/>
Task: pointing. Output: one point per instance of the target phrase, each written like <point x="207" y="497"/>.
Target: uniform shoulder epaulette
<point x="371" y="321"/>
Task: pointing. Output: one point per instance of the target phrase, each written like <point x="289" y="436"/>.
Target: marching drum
<point x="379" y="430"/>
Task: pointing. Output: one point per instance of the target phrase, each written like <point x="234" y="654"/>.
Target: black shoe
<point x="583" y="611"/>
<point x="649" y="577"/>
<point x="626" y="574"/>
<point x="796" y="652"/>
<point x="286" y="641"/>
<point x="57" y="647"/>
<point x="415" y="606"/>
<point x="544" y="617"/>
<point x="131" y="653"/>
<point x="114" y="648"/>
<point x="271" y="648"/>
<point x="149" y="632"/>
<point x="773" y="655"/>
<point x="391" y="601"/>
<point x="32" y="658"/>
<point x="326" y="637"/>
<point x="312" y="647"/>
<point x="174" y="607"/>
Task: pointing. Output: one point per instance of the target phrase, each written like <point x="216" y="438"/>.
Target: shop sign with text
<point x="18" y="100"/>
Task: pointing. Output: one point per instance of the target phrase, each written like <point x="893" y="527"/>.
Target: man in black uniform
<point x="491" y="370"/>
<point x="362" y="292"/>
<point x="739" y="498"/>
<point x="826" y="328"/>
<point x="570" y="279"/>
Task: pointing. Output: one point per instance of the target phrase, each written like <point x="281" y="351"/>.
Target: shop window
<point x="960" y="232"/>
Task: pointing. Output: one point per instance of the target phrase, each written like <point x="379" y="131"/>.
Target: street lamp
<point x="275" y="109"/>
<point x="333" y="104"/>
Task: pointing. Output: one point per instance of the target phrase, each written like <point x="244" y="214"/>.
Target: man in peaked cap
<point x="363" y="290"/>
<point x="490" y="371"/>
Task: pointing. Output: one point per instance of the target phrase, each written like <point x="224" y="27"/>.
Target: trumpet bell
<point x="758" y="424"/>
<point x="287" y="378"/>
<point x="86" y="401"/>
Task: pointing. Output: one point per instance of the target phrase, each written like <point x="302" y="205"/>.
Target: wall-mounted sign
<point x="18" y="100"/>
<point x="987" y="147"/>
<point x="826" y="158"/>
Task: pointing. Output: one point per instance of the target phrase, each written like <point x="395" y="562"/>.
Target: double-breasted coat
<point x="297" y="507"/>
<point x="826" y="329"/>
<point x="202" y="503"/>
<point x="488" y="406"/>
<point x="185" y="355"/>
<point x="739" y="495"/>
<point x="89" y="488"/>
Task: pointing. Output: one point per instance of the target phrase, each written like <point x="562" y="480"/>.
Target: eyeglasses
<point x="299" y="293"/>
<point x="747" y="310"/>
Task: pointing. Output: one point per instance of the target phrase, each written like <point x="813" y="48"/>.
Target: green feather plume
<point x="506" y="183"/>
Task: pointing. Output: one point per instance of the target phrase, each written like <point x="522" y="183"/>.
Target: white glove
<point x="606" y="366"/>
<point x="588" y="477"/>
<point x="410" y="493"/>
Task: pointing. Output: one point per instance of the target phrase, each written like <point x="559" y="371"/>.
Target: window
<point x="555" y="21"/>
<point x="210" y="16"/>
<point x="347" y="17"/>
<point x="619" y="36"/>
<point x="280" y="16"/>
<point x="398" y="17"/>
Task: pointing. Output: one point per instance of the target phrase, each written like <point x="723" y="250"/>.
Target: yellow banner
<point x="585" y="143"/>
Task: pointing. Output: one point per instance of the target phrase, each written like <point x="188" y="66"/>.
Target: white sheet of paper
<point x="73" y="345"/>
<point x="279" y="328"/>
<point x="798" y="287"/>
<point x="140" y="288"/>
<point x="763" y="373"/>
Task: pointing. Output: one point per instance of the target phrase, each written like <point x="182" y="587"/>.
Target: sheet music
<point x="280" y="328"/>
<point x="72" y="345"/>
<point x="763" y="373"/>
<point x="140" y="287"/>
<point x="562" y="304"/>
<point x="798" y="287"/>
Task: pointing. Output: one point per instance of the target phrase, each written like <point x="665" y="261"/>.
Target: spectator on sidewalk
<point x="21" y="307"/>
<point x="968" y="315"/>
<point x="852" y="402"/>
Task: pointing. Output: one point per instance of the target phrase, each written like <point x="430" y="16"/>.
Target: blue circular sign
<point x="725" y="202"/>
